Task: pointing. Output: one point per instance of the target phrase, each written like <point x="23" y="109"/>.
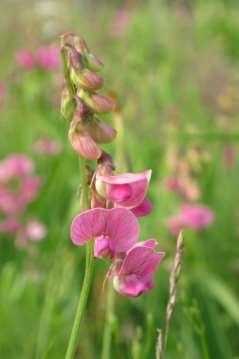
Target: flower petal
<point x="88" y="225"/>
<point x="143" y="209"/>
<point x="122" y="228"/>
<point x="141" y="261"/>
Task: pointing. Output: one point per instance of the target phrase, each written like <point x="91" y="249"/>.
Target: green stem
<point x="109" y="320"/>
<point x="72" y="345"/>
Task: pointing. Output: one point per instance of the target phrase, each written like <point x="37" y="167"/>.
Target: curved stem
<point x="72" y="345"/>
<point x="109" y="318"/>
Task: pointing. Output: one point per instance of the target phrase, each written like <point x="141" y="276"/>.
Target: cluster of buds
<point x="116" y="200"/>
<point x="81" y="103"/>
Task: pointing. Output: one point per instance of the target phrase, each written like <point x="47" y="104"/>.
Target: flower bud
<point x="75" y="59"/>
<point x="101" y="132"/>
<point x="97" y="103"/>
<point x="84" y="144"/>
<point x="86" y="79"/>
<point x="67" y="105"/>
<point x="80" y="45"/>
<point x="101" y="189"/>
<point x="92" y="62"/>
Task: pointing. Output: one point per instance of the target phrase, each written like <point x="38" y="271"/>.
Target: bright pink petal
<point x="103" y="247"/>
<point x="88" y="225"/>
<point x="120" y="192"/>
<point x="123" y="229"/>
<point x="143" y="209"/>
<point x="141" y="260"/>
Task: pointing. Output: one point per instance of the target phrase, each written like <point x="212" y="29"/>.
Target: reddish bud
<point x="80" y="45"/>
<point x="83" y="143"/>
<point x="101" y="132"/>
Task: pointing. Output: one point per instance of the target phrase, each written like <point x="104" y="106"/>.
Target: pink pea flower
<point x="15" y="165"/>
<point x="48" y="57"/>
<point x="25" y="59"/>
<point x="134" y="275"/>
<point x="114" y="230"/>
<point x="47" y="146"/>
<point x="196" y="216"/>
<point x="126" y="189"/>
<point x="174" y="225"/>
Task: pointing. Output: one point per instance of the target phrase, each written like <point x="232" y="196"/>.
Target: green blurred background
<point x="174" y="67"/>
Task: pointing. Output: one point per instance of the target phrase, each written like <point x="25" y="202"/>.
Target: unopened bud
<point x="101" y="132"/>
<point x="92" y="62"/>
<point x="75" y="59"/>
<point x="84" y="144"/>
<point x="67" y="105"/>
<point x="87" y="80"/>
<point x="80" y="45"/>
<point x="97" y="103"/>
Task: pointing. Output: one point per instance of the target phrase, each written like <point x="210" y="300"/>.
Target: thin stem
<point x="72" y="345"/>
<point x="109" y="319"/>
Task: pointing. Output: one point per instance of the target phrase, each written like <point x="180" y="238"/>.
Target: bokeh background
<point x="174" y="68"/>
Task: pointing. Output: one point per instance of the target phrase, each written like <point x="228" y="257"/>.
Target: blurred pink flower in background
<point x="196" y="216"/>
<point x="47" y="146"/>
<point x="25" y="59"/>
<point x="45" y="57"/>
<point x="193" y="216"/>
<point x="120" y="21"/>
<point x="48" y="57"/>
<point x="229" y="156"/>
<point x="18" y="188"/>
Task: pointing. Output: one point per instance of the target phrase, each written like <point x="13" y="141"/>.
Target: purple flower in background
<point x="114" y="230"/>
<point x="134" y="275"/>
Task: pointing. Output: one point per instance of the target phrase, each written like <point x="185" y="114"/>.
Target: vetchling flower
<point x="114" y="230"/>
<point x="47" y="146"/>
<point x="134" y="275"/>
<point x="126" y="190"/>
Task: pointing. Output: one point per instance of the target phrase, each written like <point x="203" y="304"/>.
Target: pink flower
<point x="196" y="216"/>
<point x="47" y="146"/>
<point x="15" y="165"/>
<point x="9" y="225"/>
<point x="48" y="57"/>
<point x="126" y="189"/>
<point x="134" y="275"/>
<point x="25" y="59"/>
<point x="172" y="184"/>
<point x="174" y="225"/>
<point x="114" y="230"/>
<point x="35" y="230"/>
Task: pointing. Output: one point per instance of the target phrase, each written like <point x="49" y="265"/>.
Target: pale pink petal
<point x="88" y="225"/>
<point x="103" y="247"/>
<point x="35" y="230"/>
<point x="143" y="209"/>
<point x="131" y="285"/>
